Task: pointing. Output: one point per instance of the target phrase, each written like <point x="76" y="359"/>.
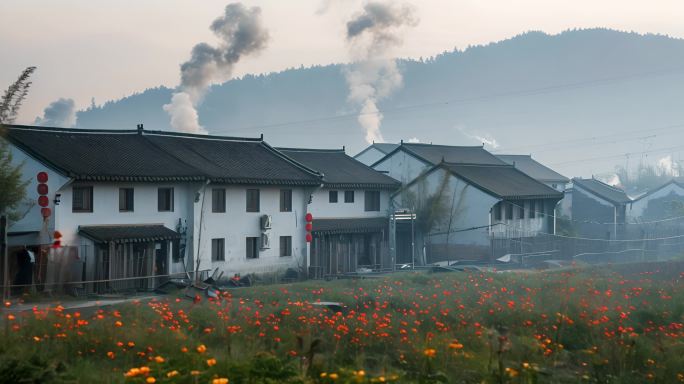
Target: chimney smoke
<point x="241" y="33"/>
<point x="373" y="75"/>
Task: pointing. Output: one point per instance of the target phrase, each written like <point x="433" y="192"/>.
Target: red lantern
<point x="45" y="212"/>
<point x="309" y="227"/>
<point x="42" y="177"/>
<point x="42" y="189"/>
<point x="43" y="201"/>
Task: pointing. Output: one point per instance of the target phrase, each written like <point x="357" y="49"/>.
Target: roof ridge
<point x="325" y="150"/>
<point x="68" y="130"/>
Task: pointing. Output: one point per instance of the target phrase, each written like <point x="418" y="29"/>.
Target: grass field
<point x="620" y="324"/>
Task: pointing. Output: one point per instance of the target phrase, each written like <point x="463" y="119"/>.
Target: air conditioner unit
<point x="266" y="222"/>
<point x="265" y="241"/>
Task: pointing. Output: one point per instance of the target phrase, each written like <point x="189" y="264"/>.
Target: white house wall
<point x="468" y="206"/>
<point x="321" y="207"/>
<point x="106" y="212"/>
<point x="402" y="166"/>
<point x="235" y="225"/>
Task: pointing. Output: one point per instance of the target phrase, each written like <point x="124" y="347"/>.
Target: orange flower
<point x="456" y="345"/>
<point x="110" y="354"/>
<point x="150" y="380"/>
<point x="172" y="373"/>
<point x="10" y="317"/>
<point x="220" y="380"/>
<point x="118" y="324"/>
<point x="201" y="348"/>
<point x="159" y="359"/>
<point x="430" y="352"/>
<point x="211" y="362"/>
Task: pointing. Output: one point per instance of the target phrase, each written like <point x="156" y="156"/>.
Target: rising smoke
<point x="60" y="113"/>
<point x="241" y="33"/>
<point x="374" y="74"/>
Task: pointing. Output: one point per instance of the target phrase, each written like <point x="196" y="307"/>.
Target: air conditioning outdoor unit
<point x="266" y="222"/>
<point x="265" y="241"/>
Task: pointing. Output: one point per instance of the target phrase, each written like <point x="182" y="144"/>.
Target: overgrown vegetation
<point x="602" y="325"/>
<point x="12" y="187"/>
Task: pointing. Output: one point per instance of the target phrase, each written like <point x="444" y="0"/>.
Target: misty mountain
<point x="534" y="93"/>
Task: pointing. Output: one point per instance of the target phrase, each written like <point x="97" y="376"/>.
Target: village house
<point x="137" y="203"/>
<point x="598" y="210"/>
<point x="407" y="161"/>
<point x="536" y="170"/>
<point x="351" y="213"/>
<point x="461" y="208"/>
<point x="663" y="202"/>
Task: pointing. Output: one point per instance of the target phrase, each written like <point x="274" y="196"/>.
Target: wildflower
<point x="220" y="380"/>
<point x="211" y="362"/>
<point x="150" y="380"/>
<point x="110" y="354"/>
<point x="201" y="348"/>
<point x="118" y="324"/>
<point x="10" y="317"/>
<point x="430" y="352"/>
<point x="194" y="372"/>
<point x="159" y="359"/>
<point x="456" y="345"/>
<point x="172" y="373"/>
<point x="333" y="376"/>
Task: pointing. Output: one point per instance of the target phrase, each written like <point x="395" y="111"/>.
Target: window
<point x="372" y="201"/>
<point x="533" y="209"/>
<point x="497" y="211"/>
<point x="285" y="245"/>
<point x="332" y="196"/>
<point x="285" y="200"/>
<point x="125" y="199"/>
<point x="252" y="200"/>
<point x="218" y="200"/>
<point x="509" y="211"/>
<point x="252" y="247"/>
<point x="348" y="196"/>
<point x="521" y="210"/>
<point x="82" y="200"/>
<point x="218" y="249"/>
<point x="165" y="199"/>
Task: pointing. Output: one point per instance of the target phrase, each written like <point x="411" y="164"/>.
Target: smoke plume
<point x="373" y="76"/>
<point x="60" y="113"/>
<point x="241" y="33"/>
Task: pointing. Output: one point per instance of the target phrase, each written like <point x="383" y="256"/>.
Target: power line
<point x="527" y="92"/>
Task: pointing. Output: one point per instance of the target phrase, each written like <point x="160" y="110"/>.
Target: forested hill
<point x="534" y="93"/>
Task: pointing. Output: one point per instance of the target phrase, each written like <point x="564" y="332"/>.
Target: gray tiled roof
<point x="603" y="190"/>
<point x="385" y="147"/>
<point x="503" y="181"/>
<point x="340" y="170"/>
<point x="356" y="225"/>
<point x="435" y="154"/>
<point x="127" y="233"/>
<point x="129" y="155"/>
<point x="533" y="168"/>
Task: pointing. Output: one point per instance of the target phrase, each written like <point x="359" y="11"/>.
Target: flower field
<point x="620" y="324"/>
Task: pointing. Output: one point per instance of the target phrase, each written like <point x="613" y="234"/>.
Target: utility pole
<point x="5" y="257"/>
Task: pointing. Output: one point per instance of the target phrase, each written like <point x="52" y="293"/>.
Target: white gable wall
<point x="402" y="166"/>
<point x="32" y="220"/>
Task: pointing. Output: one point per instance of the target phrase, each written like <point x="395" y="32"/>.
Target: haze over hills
<point x="547" y="95"/>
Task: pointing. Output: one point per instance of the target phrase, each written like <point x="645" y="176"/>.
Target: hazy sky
<point x="107" y="49"/>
